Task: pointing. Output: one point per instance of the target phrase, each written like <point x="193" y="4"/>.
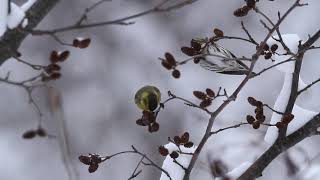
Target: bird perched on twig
<point x="148" y="98"/>
<point x="218" y="59"/>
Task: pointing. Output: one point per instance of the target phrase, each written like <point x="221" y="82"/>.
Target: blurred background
<point x="98" y="86"/>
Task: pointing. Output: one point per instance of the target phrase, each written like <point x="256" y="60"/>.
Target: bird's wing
<point x="223" y="63"/>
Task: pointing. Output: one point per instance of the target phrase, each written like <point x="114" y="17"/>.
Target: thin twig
<point x="176" y="162"/>
<point x="89" y="9"/>
<point x="135" y="173"/>
<point x="121" y="21"/>
<point x="272" y="66"/>
<point x="135" y="151"/>
<point x="266" y="105"/>
<point x="248" y="34"/>
<point x="308" y="86"/>
<point x="189" y="103"/>
<point x="236" y="126"/>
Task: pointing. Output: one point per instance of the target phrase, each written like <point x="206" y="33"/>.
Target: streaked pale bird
<point x="218" y="59"/>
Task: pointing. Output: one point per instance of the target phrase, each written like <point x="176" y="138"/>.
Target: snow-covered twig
<point x="11" y="40"/>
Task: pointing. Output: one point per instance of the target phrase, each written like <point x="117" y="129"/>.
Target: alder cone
<point x="200" y="95"/>
<point x="188" y="144"/>
<point x="188" y="51"/>
<point x="170" y="59"/>
<point x="163" y="151"/>
<point x="29" y="134"/>
<point x="174" y="155"/>
<point x="250" y="119"/>
<point x="210" y="92"/>
<point x="185" y="137"/>
<point x="205" y="103"/>
<point x="176" y="73"/>
<point x="218" y="32"/>
<point x="196" y="46"/>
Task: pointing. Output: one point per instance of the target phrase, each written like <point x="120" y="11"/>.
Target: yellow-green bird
<point x="148" y="98"/>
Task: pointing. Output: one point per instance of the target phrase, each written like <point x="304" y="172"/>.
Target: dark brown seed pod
<point x="41" y="132"/>
<point x="166" y="65"/>
<point x="64" y="56"/>
<point x="260" y="117"/>
<point x="96" y="159"/>
<point x="287" y="118"/>
<point x="174" y="155"/>
<point x="251" y="3"/>
<point x="152" y="119"/>
<point x="29" y="134"/>
<point x="188" y="51"/>
<point x="265" y="47"/>
<point x="148" y="117"/>
<point x="200" y="95"/>
<point x="259" y="104"/>
<point x="85" y="159"/>
<point x="268" y="55"/>
<point x="76" y="42"/>
<point x="195" y="45"/>
<point x="280" y="125"/>
<point x="256" y="125"/>
<point x="54" y="57"/>
<point x="240" y="12"/>
<point x="145" y="121"/>
<point x="205" y="103"/>
<point x="140" y="122"/>
<point x="245" y="9"/>
<point x="163" y="151"/>
<point x="176" y="74"/>
<point x="84" y="43"/>
<point x="93" y="167"/>
<point x="53" y="67"/>
<point x="55" y="76"/>
<point x="250" y="119"/>
<point x="274" y="47"/>
<point x="154" y="127"/>
<point x="252" y="101"/>
<point x="177" y="140"/>
<point x="218" y="32"/>
<point x="258" y="110"/>
<point x="185" y="137"/>
<point x="147" y="114"/>
<point x="188" y="144"/>
<point x="170" y="59"/>
<point x="210" y="92"/>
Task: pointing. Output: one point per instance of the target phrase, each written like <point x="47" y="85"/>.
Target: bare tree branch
<point x="255" y="170"/>
<point x="236" y="92"/>
<point x="12" y="39"/>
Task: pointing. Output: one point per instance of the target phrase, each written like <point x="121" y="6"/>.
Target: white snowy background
<point x="99" y="83"/>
